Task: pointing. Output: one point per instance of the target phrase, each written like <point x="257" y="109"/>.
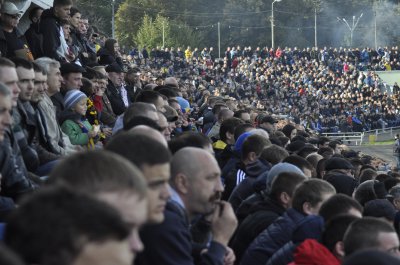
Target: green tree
<point x="150" y="33"/>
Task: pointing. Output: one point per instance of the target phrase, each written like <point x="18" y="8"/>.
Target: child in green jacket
<point x="73" y="120"/>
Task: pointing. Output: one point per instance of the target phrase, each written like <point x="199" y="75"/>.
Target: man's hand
<point x="107" y="131"/>
<point x="230" y="257"/>
<point x="223" y="223"/>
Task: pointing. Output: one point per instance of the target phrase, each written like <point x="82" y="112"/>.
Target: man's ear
<point x="307" y="208"/>
<point x="252" y="156"/>
<point x="229" y="136"/>
<point x="339" y="249"/>
<point x="180" y="183"/>
<point x="396" y="203"/>
<point x="285" y="199"/>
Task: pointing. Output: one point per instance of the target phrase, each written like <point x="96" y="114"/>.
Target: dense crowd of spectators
<point x="180" y="157"/>
<point x="327" y="89"/>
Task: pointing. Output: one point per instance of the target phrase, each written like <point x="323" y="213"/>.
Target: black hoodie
<point x="50" y="28"/>
<point x="261" y="215"/>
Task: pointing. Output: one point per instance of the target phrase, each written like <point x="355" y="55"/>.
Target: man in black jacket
<point x="264" y="212"/>
<point x="51" y="29"/>
<point x="116" y="92"/>
<point x="15" y="181"/>
<point x="34" y="39"/>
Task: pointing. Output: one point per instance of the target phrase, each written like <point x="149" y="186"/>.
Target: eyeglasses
<point x="14" y="16"/>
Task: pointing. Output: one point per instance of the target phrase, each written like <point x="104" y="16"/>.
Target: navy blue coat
<point x="170" y="242"/>
<point x="272" y="238"/>
<point x="260" y="216"/>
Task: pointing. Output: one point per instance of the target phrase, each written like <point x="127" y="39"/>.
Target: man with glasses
<point x="15" y="42"/>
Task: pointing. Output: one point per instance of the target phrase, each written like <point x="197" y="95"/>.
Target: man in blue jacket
<point x="307" y="200"/>
<point x="196" y="190"/>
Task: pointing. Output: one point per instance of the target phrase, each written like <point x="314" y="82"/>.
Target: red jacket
<point x="311" y="252"/>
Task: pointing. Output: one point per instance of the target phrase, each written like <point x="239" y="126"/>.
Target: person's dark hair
<point x="139" y="149"/>
<point x="382" y="177"/>
<point x="333" y="144"/>
<point x="313" y="159"/>
<point x="326" y="152"/>
<point x="33" y="11"/>
<point x="87" y="87"/>
<point x="218" y="107"/>
<point x="363" y="234"/>
<point x="172" y="100"/>
<point x="285" y="182"/>
<point x="109" y="46"/>
<point x="365" y="192"/>
<point x="140" y="120"/>
<point x="287" y="130"/>
<point x="188" y="139"/>
<point x="321" y="168"/>
<point x="239" y="113"/>
<point x="99" y="171"/>
<point x="299" y="138"/>
<point x="284" y="140"/>
<point x="306" y="150"/>
<point x="21" y="62"/>
<point x="311" y="191"/>
<point x="254" y="143"/>
<point x="322" y="140"/>
<point x="275" y="140"/>
<point x="148" y="96"/>
<point x="365" y="166"/>
<point x="137" y="109"/>
<point x="337" y="205"/>
<point x="53" y="225"/>
<point x="74" y="11"/>
<point x="274" y="154"/>
<point x="299" y="162"/>
<point x="390" y="183"/>
<point x="335" y="229"/>
<point x="167" y="91"/>
<point x="367" y="174"/>
<point x="241" y="129"/>
<point x="228" y="125"/>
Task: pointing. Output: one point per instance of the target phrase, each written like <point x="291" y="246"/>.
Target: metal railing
<point x="350" y="138"/>
<point x="383" y="131"/>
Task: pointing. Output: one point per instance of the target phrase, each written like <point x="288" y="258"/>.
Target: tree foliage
<point x="248" y="22"/>
<point x="151" y="32"/>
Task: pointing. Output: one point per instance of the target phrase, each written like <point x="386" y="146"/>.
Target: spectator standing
<point x="50" y="28"/>
<point x="110" y="53"/>
<point x="32" y="35"/>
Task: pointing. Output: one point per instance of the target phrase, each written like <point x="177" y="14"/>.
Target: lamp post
<point x="352" y="27"/>
<point x="112" y="19"/>
<point x="272" y="23"/>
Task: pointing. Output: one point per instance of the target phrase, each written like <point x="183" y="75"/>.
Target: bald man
<point x="152" y="133"/>
<point x="196" y="190"/>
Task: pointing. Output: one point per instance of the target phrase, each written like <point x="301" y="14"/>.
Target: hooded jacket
<point x="273" y="238"/>
<point x="309" y="228"/>
<point x="261" y="215"/>
<point x="245" y="188"/>
<point x="50" y="28"/>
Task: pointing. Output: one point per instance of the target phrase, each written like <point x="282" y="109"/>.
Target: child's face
<point x="81" y="107"/>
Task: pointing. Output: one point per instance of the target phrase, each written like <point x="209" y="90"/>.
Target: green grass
<point x="387" y="142"/>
